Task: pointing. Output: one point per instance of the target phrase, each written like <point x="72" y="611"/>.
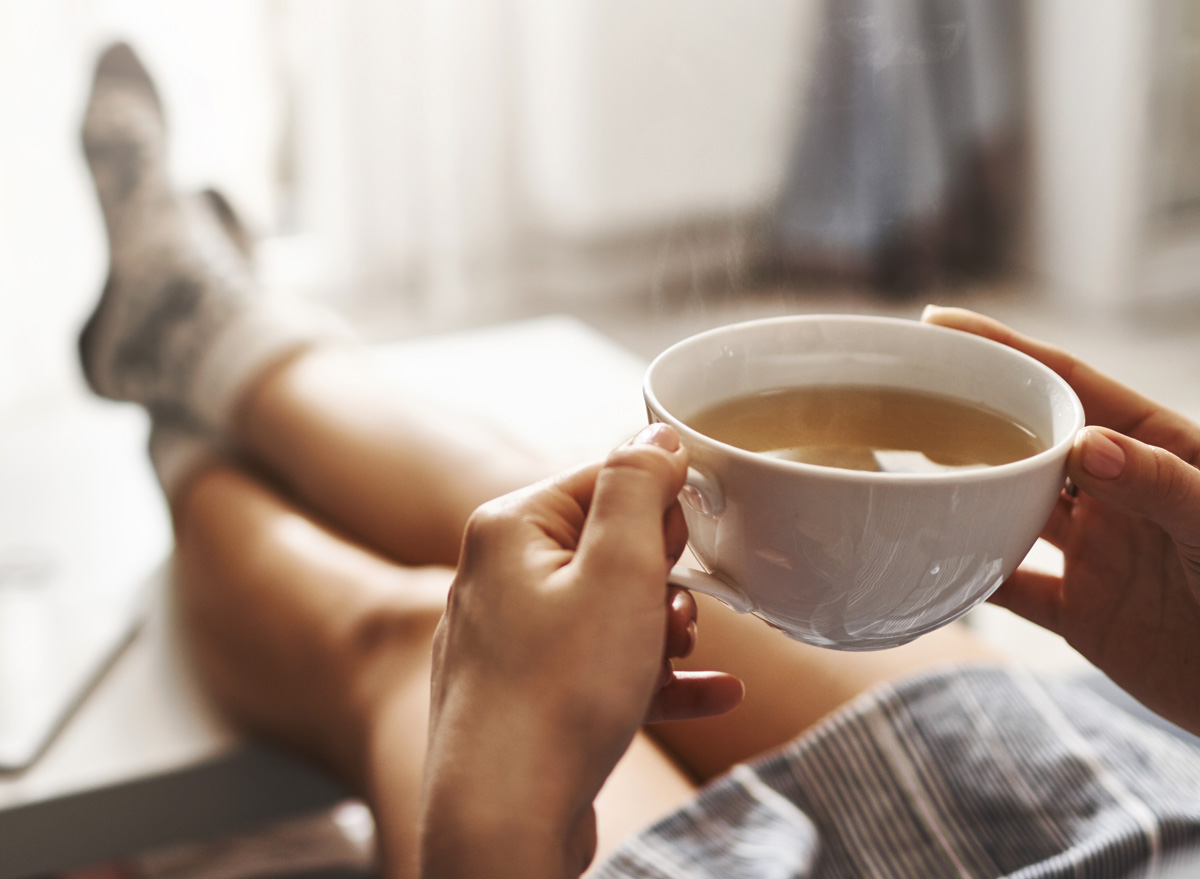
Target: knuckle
<point x="1176" y="481"/>
<point x="639" y="455"/>
<point x="489" y="519"/>
<point x="1177" y="486"/>
<point x="380" y="641"/>
<point x="386" y="625"/>
<point x="641" y="462"/>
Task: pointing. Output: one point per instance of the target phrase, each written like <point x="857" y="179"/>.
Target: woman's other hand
<point x="1129" y="596"/>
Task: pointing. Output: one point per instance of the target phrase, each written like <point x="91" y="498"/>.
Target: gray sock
<point x="181" y="325"/>
<point x="177" y="451"/>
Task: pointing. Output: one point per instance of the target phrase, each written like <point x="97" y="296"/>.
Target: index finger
<point x="1106" y="401"/>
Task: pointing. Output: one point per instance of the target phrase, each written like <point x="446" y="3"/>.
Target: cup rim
<point x="1053" y="452"/>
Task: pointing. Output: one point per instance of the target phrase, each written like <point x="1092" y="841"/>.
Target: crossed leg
<point x="312" y="585"/>
<point x="312" y="638"/>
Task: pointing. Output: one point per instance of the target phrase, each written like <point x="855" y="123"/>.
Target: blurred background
<point x="652" y="166"/>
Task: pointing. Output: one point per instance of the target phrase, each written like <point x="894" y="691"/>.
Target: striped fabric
<point x="971" y="772"/>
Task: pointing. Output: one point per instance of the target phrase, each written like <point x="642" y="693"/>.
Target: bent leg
<point x="394" y="470"/>
<point x="300" y="635"/>
<point x="287" y="621"/>
<point x="324" y="647"/>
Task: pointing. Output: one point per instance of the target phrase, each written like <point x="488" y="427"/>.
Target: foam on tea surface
<point x="874" y="428"/>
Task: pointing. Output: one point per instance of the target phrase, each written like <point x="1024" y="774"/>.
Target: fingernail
<point x="658" y="434"/>
<point x="679" y="601"/>
<point x="1102" y="458"/>
<point x="930" y="310"/>
<point x="666" y="674"/>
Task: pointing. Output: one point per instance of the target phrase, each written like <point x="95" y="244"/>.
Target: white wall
<point x="50" y="251"/>
<point x="1089" y="81"/>
<point x="1100" y="243"/>
<point x="207" y="60"/>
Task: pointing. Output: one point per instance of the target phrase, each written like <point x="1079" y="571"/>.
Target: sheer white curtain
<point x="459" y="156"/>
<point x="502" y="149"/>
<point x="414" y="107"/>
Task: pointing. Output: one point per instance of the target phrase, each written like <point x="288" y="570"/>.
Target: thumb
<point x="1141" y="479"/>
<point x="623" y="538"/>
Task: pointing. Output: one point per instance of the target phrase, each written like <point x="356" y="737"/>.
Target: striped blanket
<point x="968" y="772"/>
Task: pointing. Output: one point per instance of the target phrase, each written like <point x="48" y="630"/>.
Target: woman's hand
<point x="554" y="649"/>
<point x="1129" y="596"/>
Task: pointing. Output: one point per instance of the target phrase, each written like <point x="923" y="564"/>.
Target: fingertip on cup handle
<point x="702" y="493"/>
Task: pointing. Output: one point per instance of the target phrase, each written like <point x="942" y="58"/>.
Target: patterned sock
<point x="177" y="451"/>
<point x="181" y="326"/>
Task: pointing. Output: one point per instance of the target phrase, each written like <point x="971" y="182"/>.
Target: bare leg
<point x="392" y="470"/>
<point x="328" y="653"/>
<point x="303" y="635"/>
<point x="405" y="479"/>
<point x="269" y="595"/>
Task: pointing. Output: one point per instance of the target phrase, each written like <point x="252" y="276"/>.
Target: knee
<point x="385" y="628"/>
<point x="386" y="643"/>
<point x="210" y="499"/>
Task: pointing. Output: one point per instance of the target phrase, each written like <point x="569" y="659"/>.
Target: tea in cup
<point x="858" y="481"/>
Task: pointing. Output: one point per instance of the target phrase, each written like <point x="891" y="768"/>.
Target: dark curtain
<point x="907" y="166"/>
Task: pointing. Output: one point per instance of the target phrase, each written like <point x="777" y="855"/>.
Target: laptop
<point x="83" y="529"/>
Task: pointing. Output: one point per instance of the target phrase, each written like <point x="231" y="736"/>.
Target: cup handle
<point x="710" y="584"/>
<point x="702" y="493"/>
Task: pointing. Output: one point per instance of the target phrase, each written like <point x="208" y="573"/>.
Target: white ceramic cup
<point x="849" y="559"/>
